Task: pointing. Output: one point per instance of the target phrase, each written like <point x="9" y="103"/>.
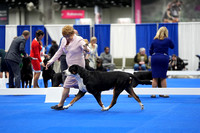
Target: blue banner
<point x="20" y="29"/>
<point x="2" y="36"/>
<point x="173" y="35"/>
<point x="102" y="33"/>
<point x="83" y="31"/>
<point x="144" y="36"/>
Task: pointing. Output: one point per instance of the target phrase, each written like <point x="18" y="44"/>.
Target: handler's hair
<point x="162" y="33"/>
<point x="25" y="33"/>
<point x="67" y="30"/>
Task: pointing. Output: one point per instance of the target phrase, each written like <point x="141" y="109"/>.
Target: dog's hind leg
<point x="77" y="97"/>
<point x="22" y="83"/>
<point x="98" y="98"/>
<point x="26" y="83"/>
<point x="116" y="93"/>
<point x="45" y="83"/>
<point x="30" y="81"/>
<point x="132" y="93"/>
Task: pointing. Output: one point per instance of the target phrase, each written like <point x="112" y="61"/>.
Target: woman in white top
<point x="93" y="55"/>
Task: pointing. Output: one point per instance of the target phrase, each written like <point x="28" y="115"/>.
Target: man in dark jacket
<point x="13" y="58"/>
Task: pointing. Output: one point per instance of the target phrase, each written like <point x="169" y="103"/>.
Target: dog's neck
<point x="83" y="74"/>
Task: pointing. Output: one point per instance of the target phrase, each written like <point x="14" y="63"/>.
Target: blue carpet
<point x="29" y="114"/>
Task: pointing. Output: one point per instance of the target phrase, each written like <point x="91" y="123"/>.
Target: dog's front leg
<point x="77" y="97"/>
<point x="97" y="96"/>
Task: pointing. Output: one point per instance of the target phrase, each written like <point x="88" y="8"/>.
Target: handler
<point x="74" y="47"/>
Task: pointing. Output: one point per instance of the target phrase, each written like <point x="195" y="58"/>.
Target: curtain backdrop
<point x="55" y="32"/>
<point x="11" y="32"/>
<point x="20" y="29"/>
<point x="123" y="41"/>
<point x="189" y="43"/>
<point x="173" y="35"/>
<point x="144" y="36"/>
<point x="102" y="33"/>
<point x="2" y="36"/>
<point x="83" y="31"/>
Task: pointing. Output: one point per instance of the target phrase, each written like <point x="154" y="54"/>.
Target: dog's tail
<point x="143" y="82"/>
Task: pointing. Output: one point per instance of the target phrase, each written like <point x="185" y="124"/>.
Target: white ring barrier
<point x="54" y="94"/>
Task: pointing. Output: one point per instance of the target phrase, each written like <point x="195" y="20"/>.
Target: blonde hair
<point x="86" y="41"/>
<point x="162" y="33"/>
<point x="93" y="39"/>
<point x="67" y="30"/>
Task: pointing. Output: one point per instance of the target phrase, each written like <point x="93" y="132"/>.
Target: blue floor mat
<point x="29" y="114"/>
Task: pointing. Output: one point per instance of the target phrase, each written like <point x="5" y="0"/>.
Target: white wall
<point x="109" y="15"/>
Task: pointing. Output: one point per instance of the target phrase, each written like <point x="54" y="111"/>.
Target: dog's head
<point x="99" y="62"/>
<point x="72" y="70"/>
<point x="45" y="61"/>
<point x="26" y="60"/>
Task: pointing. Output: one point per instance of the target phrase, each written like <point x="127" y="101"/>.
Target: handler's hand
<point x="47" y="65"/>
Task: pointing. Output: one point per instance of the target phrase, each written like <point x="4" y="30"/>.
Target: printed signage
<point x="72" y="14"/>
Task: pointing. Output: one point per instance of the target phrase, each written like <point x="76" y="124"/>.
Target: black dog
<point x="26" y="72"/>
<point x="100" y="66"/>
<point x="47" y="73"/>
<point x="57" y="79"/>
<point x="96" y="82"/>
<point x="145" y="75"/>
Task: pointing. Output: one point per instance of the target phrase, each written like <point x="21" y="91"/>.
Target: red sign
<point x="138" y="11"/>
<point x="72" y="14"/>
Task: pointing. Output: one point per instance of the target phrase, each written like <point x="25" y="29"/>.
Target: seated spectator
<point x="107" y="58"/>
<point x="176" y="63"/>
<point x="140" y="60"/>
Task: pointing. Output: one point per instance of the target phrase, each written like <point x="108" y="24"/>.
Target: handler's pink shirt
<point x="74" y="55"/>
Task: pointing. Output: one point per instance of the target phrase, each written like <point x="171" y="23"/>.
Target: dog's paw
<point x="105" y="109"/>
<point x="142" y="107"/>
<point x="66" y="107"/>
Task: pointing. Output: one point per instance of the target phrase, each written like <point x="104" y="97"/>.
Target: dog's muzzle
<point x="67" y="72"/>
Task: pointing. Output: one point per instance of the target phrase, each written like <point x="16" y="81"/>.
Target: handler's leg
<point x="154" y="85"/>
<point x="77" y="97"/>
<point x="65" y="94"/>
<point x="164" y="85"/>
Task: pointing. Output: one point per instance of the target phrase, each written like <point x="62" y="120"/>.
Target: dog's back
<point x="106" y="80"/>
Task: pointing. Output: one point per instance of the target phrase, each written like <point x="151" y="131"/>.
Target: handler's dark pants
<point x="63" y="66"/>
<point x="14" y="72"/>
